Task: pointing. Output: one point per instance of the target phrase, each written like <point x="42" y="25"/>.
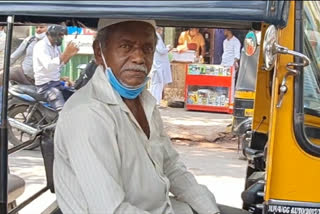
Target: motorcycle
<point x="29" y="112"/>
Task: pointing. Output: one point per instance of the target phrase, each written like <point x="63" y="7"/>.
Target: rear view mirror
<point x="270" y="50"/>
<point x="269" y="47"/>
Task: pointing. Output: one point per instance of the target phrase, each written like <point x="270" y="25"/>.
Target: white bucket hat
<point x="107" y="22"/>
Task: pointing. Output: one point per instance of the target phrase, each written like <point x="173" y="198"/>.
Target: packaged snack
<point x="216" y="70"/>
<point x="192" y="97"/>
<point x="220" y="71"/>
<point x="223" y="100"/>
<point x="202" y="69"/>
<point x="217" y="103"/>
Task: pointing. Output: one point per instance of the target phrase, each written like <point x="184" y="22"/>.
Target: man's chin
<point x="132" y="84"/>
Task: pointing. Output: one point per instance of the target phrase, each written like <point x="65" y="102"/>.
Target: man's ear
<point x="97" y="52"/>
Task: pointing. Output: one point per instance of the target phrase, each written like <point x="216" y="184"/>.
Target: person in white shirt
<point x="231" y="50"/>
<point x="161" y="70"/>
<point x="26" y="48"/>
<point x="47" y="64"/>
<point x="121" y="160"/>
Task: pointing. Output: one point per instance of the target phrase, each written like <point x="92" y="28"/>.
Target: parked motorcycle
<point x="29" y="112"/>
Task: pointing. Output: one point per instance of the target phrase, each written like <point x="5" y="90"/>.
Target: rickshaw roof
<point x="166" y="13"/>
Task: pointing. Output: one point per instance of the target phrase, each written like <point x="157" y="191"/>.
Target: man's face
<point x="41" y="29"/>
<point x="227" y="33"/>
<point x="193" y="31"/>
<point x="129" y="51"/>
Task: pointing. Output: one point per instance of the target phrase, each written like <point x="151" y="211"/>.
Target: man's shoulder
<point x="183" y="34"/>
<point x="235" y="39"/>
<point x="200" y="36"/>
<point x="39" y="44"/>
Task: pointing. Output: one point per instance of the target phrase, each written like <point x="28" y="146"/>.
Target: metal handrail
<point x="29" y="200"/>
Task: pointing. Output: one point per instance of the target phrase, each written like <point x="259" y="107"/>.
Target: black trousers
<point x="230" y="210"/>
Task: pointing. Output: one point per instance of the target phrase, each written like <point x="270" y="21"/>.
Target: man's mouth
<point x="136" y="72"/>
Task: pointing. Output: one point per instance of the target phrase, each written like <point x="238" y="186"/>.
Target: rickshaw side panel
<point x="291" y="172"/>
<point x="262" y="101"/>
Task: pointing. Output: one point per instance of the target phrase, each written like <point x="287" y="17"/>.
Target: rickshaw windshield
<point x="308" y="96"/>
<point x="312" y="49"/>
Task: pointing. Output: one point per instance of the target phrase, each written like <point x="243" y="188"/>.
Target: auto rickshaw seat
<point x="16" y="186"/>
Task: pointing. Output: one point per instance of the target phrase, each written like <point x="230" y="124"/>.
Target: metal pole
<point x="4" y="122"/>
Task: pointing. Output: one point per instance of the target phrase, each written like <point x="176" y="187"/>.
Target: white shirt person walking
<point x="231" y="50"/>
<point x="161" y="70"/>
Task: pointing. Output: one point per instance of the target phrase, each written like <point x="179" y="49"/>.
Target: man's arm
<point x="237" y="46"/>
<point x="69" y="52"/>
<point x="90" y="172"/>
<point x="19" y="51"/>
<point x="182" y="183"/>
<point x="236" y="50"/>
<point x="42" y="56"/>
<point x="161" y="47"/>
<point x="202" y="45"/>
<point x="182" y="43"/>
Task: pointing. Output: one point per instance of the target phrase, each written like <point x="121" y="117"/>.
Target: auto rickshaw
<point x="245" y="92"/>
<point x="284" y="150"/>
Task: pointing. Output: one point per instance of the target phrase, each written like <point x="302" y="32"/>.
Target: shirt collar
<point x="230" y="38"/>
<point x="104" y="92"/>
<point x="47" y="41"/>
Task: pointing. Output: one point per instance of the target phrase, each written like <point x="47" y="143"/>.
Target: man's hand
<point x="71" y="50"/>
<point x="236" y="65"/>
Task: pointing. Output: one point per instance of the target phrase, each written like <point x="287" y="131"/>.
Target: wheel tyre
<point x="14" y="111"/>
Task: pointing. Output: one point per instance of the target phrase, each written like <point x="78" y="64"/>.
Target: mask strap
<point x="104" y="60"/>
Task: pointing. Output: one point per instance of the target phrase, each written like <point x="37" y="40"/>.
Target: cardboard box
<point x="187" y="56"/>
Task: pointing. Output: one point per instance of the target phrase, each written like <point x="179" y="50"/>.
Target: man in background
<point x="161" y="70"/>
<point x="48" y="62"/>
<point x="192" y="39"/>
<point x="26" y="48"/>
<point x="231" y="50"/>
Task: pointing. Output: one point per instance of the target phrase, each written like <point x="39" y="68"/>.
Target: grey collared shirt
<point x="104" y="162"/>
<point x="24" y="48"/>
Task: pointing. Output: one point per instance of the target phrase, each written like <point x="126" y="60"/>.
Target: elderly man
<point x="111" y="152"/>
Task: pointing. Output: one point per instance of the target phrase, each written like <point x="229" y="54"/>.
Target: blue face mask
<point x="128" y="92"/>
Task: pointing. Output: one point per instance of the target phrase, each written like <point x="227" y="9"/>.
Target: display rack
<point x="209" y="88"/>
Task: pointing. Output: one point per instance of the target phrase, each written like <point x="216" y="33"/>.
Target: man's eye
<point x="149" y="49"/>
<point x="126" y="46"/>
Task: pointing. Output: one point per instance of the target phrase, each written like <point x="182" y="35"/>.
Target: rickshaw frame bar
<point x="4" y="121"/>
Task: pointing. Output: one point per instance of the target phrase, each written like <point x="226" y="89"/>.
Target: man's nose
<point x="138" y="56"/>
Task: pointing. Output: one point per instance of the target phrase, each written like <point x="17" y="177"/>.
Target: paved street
<point x="214" y="164"/>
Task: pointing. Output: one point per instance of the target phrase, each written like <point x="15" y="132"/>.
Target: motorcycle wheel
<point x="17" y="137"/>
